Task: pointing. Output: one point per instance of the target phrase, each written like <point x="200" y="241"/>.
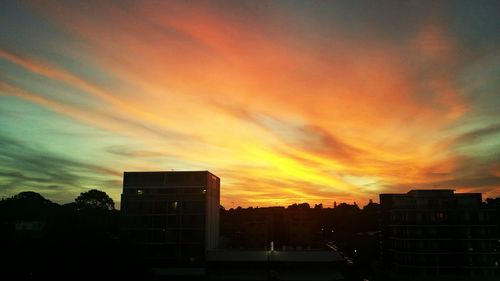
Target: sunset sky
<point x="292" y="101"/>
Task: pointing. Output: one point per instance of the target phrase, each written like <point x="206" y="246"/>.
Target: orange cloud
<point x="308" y="119"/>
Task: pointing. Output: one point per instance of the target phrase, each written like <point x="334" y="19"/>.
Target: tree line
<point x="43" y="239"/>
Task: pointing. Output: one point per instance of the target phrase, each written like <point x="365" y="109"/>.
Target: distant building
<point x="439" y="235"/>
<point x="302" y="228"/>
<point x="274" y="265"/>
<point x="173" y="217"/>
<point x="254" y="228"/>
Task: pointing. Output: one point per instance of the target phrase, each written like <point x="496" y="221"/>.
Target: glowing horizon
<point x="286" y="102"/>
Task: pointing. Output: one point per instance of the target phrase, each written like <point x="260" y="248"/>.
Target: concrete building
<point x="439" y="235"/>
<point x="172" y="217"/>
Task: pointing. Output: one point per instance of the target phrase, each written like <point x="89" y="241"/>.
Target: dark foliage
<point x="94" y="199"/>
<point x="43" y="240"/>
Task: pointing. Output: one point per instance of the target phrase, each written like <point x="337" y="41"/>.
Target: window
<point x="439" y="216"/>
<point x="192" y="250"/>
<point x="192" y="236"/>
<point x="194" y="206"/>
<point x="159" y="207"/>
<point x="171" y="236"/>
<point x="159" y="222"/>
<point x="191" y="190"/>
<point x="172" y="221"/>
<point x="172" y="207"/>
<point x="139" y="221"/>
<point x="138" y="235"/>
<point x="156" y="236"/>
<point x="481" y="217"/>
<point x="192" y="220"/>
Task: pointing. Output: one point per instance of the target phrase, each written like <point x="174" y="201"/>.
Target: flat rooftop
<point x="168" y="172"/>
<point x="273" y="256"/>
<point x="430" y="193"/>
<point x="166" y="178"/>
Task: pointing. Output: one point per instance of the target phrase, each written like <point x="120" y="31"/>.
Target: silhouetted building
<point x="439" y="235"/>
<point x="173" y="217"/>
<point x="255" y="228"/>
<point x="303" y="228"/>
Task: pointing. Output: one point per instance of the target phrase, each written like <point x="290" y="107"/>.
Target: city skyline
<point x="287" y="102"/>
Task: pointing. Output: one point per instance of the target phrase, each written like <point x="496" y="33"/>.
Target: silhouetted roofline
<point x="169" y="172"/>
<point x="431" y="192"/>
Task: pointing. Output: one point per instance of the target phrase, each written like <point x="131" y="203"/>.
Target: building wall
<point x="212" y="211"/>
<point x="434" y="233"/>
<point x="170" y="216"/>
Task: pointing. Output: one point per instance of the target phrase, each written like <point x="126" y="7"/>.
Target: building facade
<point x="439" y="235"/>
<point x="172" y="217"/>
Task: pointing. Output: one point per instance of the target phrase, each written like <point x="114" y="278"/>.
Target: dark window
<point x="171" y="236"/>
<point x="159" y="221"/>
<point x="192" y="250"/>
<point x="192" y="220"/>
<point x="193" y="206"/>
<point x="167" y="190"/>
<point x="172" y="221"/>
<point x="160" y="207"/>
<point x="138" y="235"/>
<point x="192" y="236"/>
<point x="138" y="207"/>
<point x="139" y="221"/>
<point x="162" y="251"/>
<point x="156" y="236"/>
<point x="191" y="190"/>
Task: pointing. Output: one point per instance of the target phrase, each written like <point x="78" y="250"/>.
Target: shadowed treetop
<point x="94" y="199"/>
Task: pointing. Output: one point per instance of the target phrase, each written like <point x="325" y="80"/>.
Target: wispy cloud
<point x="285" y="101"/>
<point x="28" y="167"/>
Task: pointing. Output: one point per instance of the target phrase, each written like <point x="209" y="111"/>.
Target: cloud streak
<point x="38" y="170"/>
<point x="285" y="103"/>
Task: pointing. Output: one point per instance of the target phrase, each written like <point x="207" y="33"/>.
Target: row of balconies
<point x="165" y="221"/>
<point x="166" y="235"/>
<point x="469" y="272"/>
<point x="447" y="259"/>
<point x="163" y="207"/>
<point x="444" y="246"/>
<point x="448" y="232"/>
<point x="464" y="217"/>
<point x="432" y="202"/>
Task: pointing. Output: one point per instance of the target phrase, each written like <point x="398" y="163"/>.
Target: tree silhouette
<point x="299" y="206"/>
<point x="94" y="199"/>
<point x="27" y="205"/>
<point x="32" y="197"/>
